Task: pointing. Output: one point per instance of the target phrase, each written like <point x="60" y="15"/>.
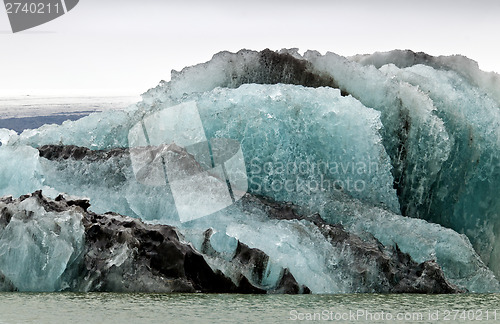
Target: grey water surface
<point x="230" y="308"/>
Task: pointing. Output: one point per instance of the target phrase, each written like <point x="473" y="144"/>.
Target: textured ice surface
<point x="374" y="142"/>
<point x="465" y="67"/>
<point x="297" y="143"/>
<point x="40" y="250"/>
<point x="123" y="254"/>
<point x="297" y="246"/>
<point x="20" y="170"/>
<point x="417" y="237"/>
<point x="469" y="206"/>
<point x="414" y="137"/>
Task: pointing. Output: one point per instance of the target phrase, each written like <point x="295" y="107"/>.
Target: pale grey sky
<point x="128" y="46"/>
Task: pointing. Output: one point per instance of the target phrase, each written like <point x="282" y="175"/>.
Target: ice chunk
<point x="486" y="81"/>
<point x="40" y="250"/>
<point x="419" y="238"/>
<point x="315" y="142"/>
<point x="413" y="136"/>
<point x="463" y="194"/>
<point x="20" y="170"/>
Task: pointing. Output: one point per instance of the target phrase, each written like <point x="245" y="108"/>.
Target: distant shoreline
<point x="44" y="106"/>
<point x="31" y="112"/>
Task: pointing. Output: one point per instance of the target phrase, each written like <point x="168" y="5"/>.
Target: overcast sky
<point x="128" y="46"/>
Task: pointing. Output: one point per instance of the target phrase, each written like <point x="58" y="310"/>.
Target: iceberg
<point x="276" y="165"/>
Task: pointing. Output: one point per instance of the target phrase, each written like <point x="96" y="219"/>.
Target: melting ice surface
<point x="401" y="146"/>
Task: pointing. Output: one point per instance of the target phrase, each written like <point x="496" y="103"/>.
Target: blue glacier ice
<point x="399" y="146"/>
<point x="40" y="250"/>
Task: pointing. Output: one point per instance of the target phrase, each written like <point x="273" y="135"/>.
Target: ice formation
<point x="399" y="147"/>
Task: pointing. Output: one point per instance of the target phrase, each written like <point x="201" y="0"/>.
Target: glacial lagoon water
<point x="224" y="308"/>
